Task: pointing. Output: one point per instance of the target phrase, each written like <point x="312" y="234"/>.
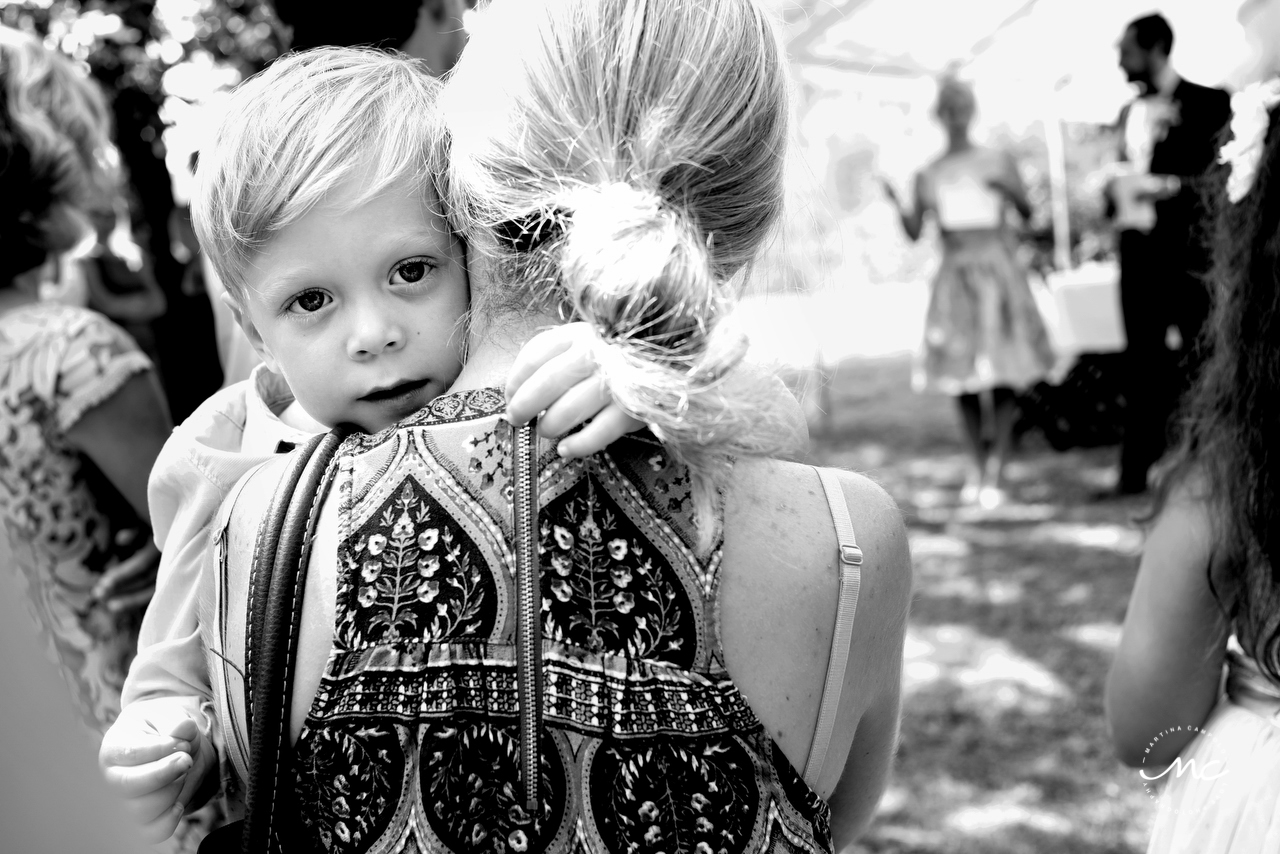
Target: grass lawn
<point x="1015" y="616"/>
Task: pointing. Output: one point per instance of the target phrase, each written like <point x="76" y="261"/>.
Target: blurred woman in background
<point x="984" y="337"/>
<point x="81" y="415"/>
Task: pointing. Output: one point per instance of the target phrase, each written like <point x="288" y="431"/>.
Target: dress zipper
<point x="528" y="608"/>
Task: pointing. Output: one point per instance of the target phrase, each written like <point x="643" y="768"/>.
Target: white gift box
<point x="1083" y="309"/>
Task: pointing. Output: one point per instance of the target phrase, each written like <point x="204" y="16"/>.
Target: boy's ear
<point x="250" y="331"/>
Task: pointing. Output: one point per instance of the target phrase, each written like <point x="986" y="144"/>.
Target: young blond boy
<point x="317" y="207"/>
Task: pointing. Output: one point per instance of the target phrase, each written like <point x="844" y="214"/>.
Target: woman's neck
<point x="959" y="143"/>
<point x="492" y="349"/>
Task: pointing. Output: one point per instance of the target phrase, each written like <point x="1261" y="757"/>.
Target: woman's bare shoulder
<point x="778" y="525"/>
<point x="788" y="499"/>
<point x="780" y="587"/>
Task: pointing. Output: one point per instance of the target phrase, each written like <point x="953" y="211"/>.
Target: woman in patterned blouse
<point x="81" y="419"/>
<point x="617" y="163"/>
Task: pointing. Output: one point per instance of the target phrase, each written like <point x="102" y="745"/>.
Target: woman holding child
<point x="624" y="172"/>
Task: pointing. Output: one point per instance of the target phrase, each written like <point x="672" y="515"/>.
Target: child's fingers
<point x="160" y="829"/>
<point x="551" y="380"/>
<point x="537" y="350"/>
<point x="156" y="806"/>
<point x="200" y="783"/>
<point x="611" y="424"/>
<point x="576" y="406"/>
<point x="184" y="729"/>
<point x="137" y="748"/>
<point x="139" y="781"/>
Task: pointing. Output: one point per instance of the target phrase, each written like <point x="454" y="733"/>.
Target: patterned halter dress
<point x="413" y="741"/>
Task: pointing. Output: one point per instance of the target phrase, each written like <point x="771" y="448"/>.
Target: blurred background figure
<point x="430" y="30"/>
<point x="82" y="417"/>
<point x="37" y="721"/>
<point x="1169" y="136"/>
<point x="1198" y="658"/>
<point x="984" y="338"/>
<point x="81" y="414"/>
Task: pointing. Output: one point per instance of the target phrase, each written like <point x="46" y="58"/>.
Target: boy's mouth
<point x="392" y="392"/>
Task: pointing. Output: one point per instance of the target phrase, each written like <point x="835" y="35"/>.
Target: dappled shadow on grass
<point x="1015" y="618"/>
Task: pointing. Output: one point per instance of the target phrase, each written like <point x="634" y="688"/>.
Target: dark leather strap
<point x="277" y="586"/>
<point x="261" y="570"/>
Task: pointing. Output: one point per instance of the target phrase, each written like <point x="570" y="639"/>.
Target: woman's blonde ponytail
<point x="625" y="157"/>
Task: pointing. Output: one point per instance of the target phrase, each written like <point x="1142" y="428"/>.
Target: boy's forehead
<point x="398" y="217"/>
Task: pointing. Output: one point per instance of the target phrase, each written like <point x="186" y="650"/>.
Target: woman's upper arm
<point x="871" y="700"/>
<point x="1168" y="667"/>
<point x="123" y="435"/>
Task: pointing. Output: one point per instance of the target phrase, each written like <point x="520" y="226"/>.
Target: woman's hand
<point x="555" y="374"/>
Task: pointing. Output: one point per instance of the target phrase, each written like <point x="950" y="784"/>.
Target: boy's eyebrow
<point x="286" y="284"/>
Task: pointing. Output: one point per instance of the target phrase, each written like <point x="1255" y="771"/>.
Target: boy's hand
<point x="555" y="374"/>
<point x="155" y="757"/>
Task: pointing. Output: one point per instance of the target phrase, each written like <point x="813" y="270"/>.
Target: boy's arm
<point x="555" y="374"/>
<point x="184" y="500"/>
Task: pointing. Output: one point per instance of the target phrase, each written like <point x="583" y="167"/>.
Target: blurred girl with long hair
<point x="1193" y="697"/>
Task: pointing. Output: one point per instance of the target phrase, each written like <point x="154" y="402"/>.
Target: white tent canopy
<point x="1012" y="49"/>
<point x="869" y="67"/>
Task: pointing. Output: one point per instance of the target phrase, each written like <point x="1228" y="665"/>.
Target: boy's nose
<point x="374" y="334"/>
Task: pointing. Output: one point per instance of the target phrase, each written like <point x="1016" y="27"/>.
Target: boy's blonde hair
<point x="626" y="159"/>
<point x="292" y="133"/>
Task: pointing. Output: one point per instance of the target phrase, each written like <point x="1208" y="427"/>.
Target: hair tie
<point x="609" y="202"/>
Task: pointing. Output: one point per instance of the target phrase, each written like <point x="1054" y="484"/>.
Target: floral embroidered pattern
<point x="413" y="574"/>
<point x="604" y="588"/>
<point x="472" y="802"/>
<point x="639" y="748"/>
<point x="445" y="409"/>
<point x="672" y="483"/>
<point x="490" y="455"/>
<point x="695" y="795"/>
<point x="348" y="779"/>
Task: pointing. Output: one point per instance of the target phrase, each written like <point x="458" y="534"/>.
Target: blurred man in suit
<point x="1169" y="139"/>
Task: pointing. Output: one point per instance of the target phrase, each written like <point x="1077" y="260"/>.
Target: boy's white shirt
<point x="233" y="431"/>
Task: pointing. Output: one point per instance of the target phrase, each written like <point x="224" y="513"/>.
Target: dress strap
<point x="850" y="579"/>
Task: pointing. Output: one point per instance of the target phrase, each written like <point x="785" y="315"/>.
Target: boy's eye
<point x="411" y="271"/>
<point x="311" y="301"/>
